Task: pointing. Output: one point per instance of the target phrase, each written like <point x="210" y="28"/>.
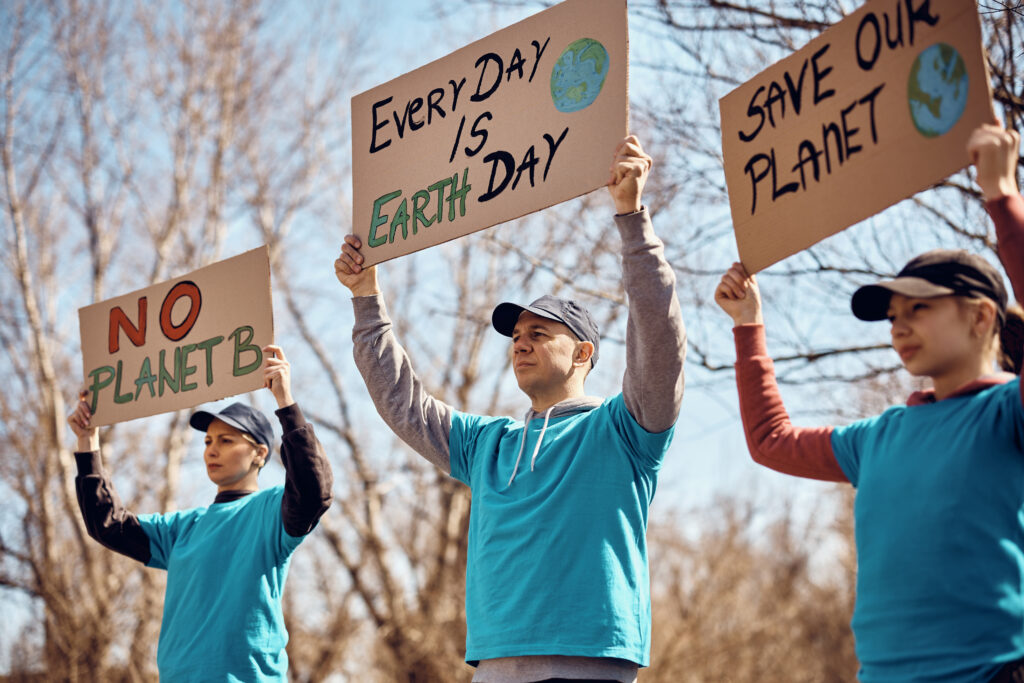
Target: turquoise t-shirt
<point x="226" y="567"/>
<point x="940" y="536"/>
<point x="557" y="561"/>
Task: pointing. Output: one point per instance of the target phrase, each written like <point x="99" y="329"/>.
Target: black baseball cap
<point x="241" y="417"/>
<point x="939" y="272"/>
<point x="565" y="311"/>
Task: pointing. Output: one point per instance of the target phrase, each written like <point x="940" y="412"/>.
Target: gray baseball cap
<point x="565" y="311"/>
<point x="939" y="272"/>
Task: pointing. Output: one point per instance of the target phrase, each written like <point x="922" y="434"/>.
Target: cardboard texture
<point x="179" y="343"/>
<point x="521" y="120"/>
<point x="866" y="114"/>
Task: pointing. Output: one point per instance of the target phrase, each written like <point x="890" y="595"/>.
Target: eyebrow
<point x="532" y="326"/>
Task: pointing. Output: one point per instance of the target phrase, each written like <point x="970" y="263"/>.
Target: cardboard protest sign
<point x="179" y="343"/>
<point x="518" y="121"/>
<point x="876" y="108"/>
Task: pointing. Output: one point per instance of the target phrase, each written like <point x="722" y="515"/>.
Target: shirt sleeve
<point x="418" y="418"/>
<point x="1008" y="215"/>
<point x="652" y="386"/>
<point x="106" y="519"/>
<point x="465" y="430"/>
<point x="772" y="439"/>
<point x="308" y="479"/>
<point x="646" y="448"/>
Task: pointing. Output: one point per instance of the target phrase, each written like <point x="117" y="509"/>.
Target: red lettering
<point x="183" y="288"/>
<point x="119" y="319"/>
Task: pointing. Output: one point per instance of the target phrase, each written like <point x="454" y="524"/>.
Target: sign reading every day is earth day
<point x="179" y="343"/>
<point x="876" y="108"/>
<point x="516" y="122"/>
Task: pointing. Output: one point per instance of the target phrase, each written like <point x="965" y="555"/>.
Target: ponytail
<point x="1011" y="340"/>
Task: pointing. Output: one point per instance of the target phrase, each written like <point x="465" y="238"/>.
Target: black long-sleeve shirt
<point x="307" y="491"/>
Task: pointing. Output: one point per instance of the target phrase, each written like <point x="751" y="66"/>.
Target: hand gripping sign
<point x="179" y="343"/>
<point x="876" y="108"/>
<point x="516" y="122"/>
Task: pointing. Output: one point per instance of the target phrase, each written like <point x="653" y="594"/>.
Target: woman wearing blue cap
<point x="226" y="563"/>
<point x="939" y="511"/>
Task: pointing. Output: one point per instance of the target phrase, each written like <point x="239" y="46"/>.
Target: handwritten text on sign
<point x="179" y="343"/>
<point x="521" y="120"/>
<point x="876" y="108"/>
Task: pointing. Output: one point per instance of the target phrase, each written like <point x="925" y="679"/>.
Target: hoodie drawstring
<point x="522" y="445"/>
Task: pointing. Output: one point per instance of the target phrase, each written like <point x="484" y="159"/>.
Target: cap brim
<point x="201" y="420"/>
<point x="871" y="302"/>
<point x="506" y="315"/>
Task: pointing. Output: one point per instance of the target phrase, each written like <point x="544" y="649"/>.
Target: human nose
<point x="519" y="345"/>
<point x="898" y="327"/>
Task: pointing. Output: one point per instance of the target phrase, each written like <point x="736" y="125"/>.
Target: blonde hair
<point x="1007" y="335"/>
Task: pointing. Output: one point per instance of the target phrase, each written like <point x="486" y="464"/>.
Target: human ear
<point x="261" y="455"/>
<point x="584" y="350"/>
<point x="984" y="317"/>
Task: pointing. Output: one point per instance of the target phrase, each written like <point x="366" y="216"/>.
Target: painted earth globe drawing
<point x="578" y="75"/>
<point x="937" y="89"/>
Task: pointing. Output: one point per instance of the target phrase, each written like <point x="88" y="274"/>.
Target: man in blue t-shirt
<point x="557" y="579"/>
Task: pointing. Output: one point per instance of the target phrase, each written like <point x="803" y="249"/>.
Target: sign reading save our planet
<point x="876" y="108"/>
<point x="521" y="120"/>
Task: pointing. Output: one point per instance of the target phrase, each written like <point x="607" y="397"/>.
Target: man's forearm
<point x="415" y="416"/>
<point x="655" y="335"/>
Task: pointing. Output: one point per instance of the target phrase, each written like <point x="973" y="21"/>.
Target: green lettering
<point x="208" y="347"/>
<point x="439" y="187"/>
<point x="459" y="194"/>
<point x="97" y="384"/>
<point x="419" y="202"/>
<point x="377" y="221"/>
<point x="145" y="378"/>
<point x="401" y="218"/>
<point x="187" y="369"/>
<point x="118" y="396"/>
<point x="242" y="346"/>
<point x="166" y="377"/>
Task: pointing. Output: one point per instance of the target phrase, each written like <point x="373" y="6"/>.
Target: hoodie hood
<point x="570" y="406"/>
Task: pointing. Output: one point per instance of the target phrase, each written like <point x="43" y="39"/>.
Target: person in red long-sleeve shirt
<point x="939" y="512"/>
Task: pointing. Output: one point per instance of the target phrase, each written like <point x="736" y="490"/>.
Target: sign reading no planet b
<point x="179" y="343"/>
<point x="876" y="108"/>
<point x="513" y="123"/>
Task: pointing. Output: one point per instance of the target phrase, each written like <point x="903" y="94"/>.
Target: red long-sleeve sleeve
<point x="772" y="439"/>
<point x="1008" y="215"/>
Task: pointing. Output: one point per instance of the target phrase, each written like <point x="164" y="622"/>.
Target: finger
<point x="352" y="253"/>
<point x="344" y="265"/>
<point x="273" y="351"/>
<point x="354" y="241"/>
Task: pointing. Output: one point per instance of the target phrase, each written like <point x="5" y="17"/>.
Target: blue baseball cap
<point x="565" y="311"/>
<point x="241" y="417"/>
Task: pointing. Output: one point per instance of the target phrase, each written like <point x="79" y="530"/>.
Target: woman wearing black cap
<point x="940" y="481"/>
<point x="226" y="564"/>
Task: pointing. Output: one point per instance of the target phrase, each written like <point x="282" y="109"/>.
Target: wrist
<point x="1003" y="188"/>
<point x="627" y="207"/>
<point x="752" y="318"/>
<point x="88" y="442"/>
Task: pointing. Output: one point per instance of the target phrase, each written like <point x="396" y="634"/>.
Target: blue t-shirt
<point x="557" y="561"/>
<point x="226" y="567"/>
<point x="940" y="536"/>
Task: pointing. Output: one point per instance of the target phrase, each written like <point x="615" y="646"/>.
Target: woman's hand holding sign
<point x="80" y="421"/>
<point x="277" y="375"/>
<point x="994" y="153"/>
<point x="738" y="295"/>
